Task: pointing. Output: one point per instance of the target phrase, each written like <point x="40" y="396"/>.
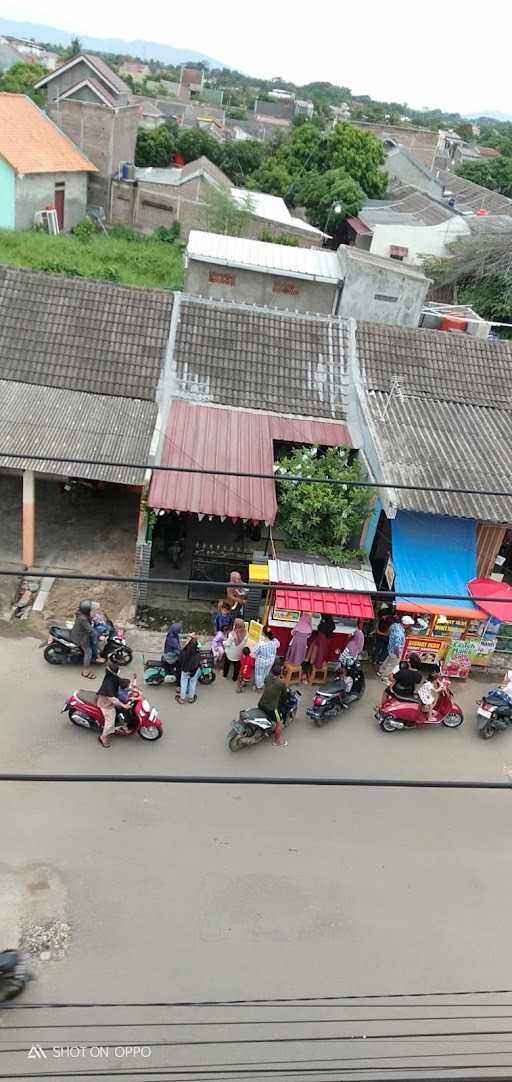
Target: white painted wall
<point x="421" y="240"/>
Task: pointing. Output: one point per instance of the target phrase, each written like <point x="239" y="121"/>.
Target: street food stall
<point x="437" y="554"/>
<point x="332" y="594"/>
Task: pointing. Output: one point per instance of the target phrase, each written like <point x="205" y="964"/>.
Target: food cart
<point x="332" y="594"/>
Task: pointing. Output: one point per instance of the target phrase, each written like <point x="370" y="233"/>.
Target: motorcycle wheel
<point x="150" y="732"/>
<point x="291" y="716"/>
<point x="488" y="731"/>
<point x="156" y="680"/>
<point x="321" y="721"/>
<point x="235" y="741"/>
<point x="208" y="678"/>
<point x="55" y="654"/>
<point x="387" y="725"/>
<point x="452" y="721"/>
<point x="81" y="720"/>
<point x="122" y="656"/>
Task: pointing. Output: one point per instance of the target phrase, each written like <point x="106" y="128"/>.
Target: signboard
<point x="427" y="649"/>
<point x="285" y="616"/>
<point x="254" y="632"/>
<point x="452" y="626"/>
<point x="459" y="656"/>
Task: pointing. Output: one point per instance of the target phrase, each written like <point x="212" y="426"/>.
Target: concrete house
<point x="39" y="167"/>
<point x="346" y="283"/>
<point x="95" y="108"/>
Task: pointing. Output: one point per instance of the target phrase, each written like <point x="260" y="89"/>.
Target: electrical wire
<point x="273" y="1001"/>
<point x="205" y="779"/>
<point x="262" y="1022"/>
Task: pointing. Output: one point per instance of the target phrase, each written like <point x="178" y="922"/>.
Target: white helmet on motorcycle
<point x="407" y="621"/>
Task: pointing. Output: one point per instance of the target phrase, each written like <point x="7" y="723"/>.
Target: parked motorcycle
<point x="406" y="712"/>
<point x="164" y="672"/>
<point x="332" y="698"/>
<point x="253" y="724"/>
<point x="494" y="714"/>
<point x="14" y="974"/>
<point x="60" y="650"/>
<point x="138" y="716"/>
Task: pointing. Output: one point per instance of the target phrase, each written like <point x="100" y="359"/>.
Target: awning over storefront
<point x="328" y="579"/>
<point x="434" y="554"/>
<point x="222" y="439"/>
<point x="501" y="605"/>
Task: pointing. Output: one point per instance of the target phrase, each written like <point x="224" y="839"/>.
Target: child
<point x="246" y="669"/>
<point x="99" y="621"/>
<point x="218" y="647"/>
<point x="428" y="693"/>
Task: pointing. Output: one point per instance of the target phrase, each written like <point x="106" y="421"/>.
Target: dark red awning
<point x="355" y="606"/>
<point x="359" y="227"/>
<point x="501" y="605"/>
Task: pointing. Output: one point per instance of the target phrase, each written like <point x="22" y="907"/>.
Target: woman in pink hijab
<point x="297" y="649"/>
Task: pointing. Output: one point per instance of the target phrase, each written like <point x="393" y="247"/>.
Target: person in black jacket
<point x="190" y="667"/>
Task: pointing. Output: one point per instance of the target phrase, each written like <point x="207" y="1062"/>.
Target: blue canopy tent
<point x="434" y="553"/>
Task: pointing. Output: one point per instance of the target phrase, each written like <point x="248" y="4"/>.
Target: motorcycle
<point x="406" y="712"/>
<point x="493" y="714"/>
<point x="330" y="700"/>
<point x="137" y="716"/>
<point x="60" y="650"/>
<point x="253" y="724"/>
<point x="14" y="974"/>
<point x="164" y="672"/>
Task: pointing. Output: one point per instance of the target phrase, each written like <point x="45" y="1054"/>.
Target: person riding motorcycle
<point x="83" y="635"/>
<point x="273" y="701"/>
<point x="108" y="701"/>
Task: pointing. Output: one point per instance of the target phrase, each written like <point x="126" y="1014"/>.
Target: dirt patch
<point x="113" y="597"/>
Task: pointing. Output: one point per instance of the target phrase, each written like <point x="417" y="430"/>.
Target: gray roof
<point x="408" y="207"/>
<point x="48" y="420"/>
<point x="473" y="197"/>
<point x="81" y="334"/>
<point x="441" y="412"/>
<point x="106" y="73"/>
<point x="254" y="358"/>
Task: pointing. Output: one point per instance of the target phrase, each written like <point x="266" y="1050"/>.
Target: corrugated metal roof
<point x="316" y="263"/>
<point x="47" y="420"/>
<point x="324" y="576"/>
<point x="354" y="606"/>
<point x="223" y="439"/>
<point x="272" y="207"/>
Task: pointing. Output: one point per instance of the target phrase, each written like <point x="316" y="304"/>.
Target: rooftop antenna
<point x="394" y="392"/>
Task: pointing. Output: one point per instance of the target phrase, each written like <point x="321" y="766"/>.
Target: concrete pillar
<point x="29" y="518"/>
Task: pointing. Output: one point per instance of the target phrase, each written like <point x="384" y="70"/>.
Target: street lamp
<point x="336" y="208"/>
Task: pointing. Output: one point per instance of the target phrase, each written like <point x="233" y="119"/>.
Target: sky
<point x="455" y="56"/>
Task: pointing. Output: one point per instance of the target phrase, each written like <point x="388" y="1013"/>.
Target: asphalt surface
<point x="218" y="893"/>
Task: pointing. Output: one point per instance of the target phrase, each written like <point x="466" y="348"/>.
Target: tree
<point x="494" y="173"/>
<point x="360" y="154"/>
<point x="74" y="48"/>
<point x="193" y="143"/>
<point x="322" y="519"/>
<point x="239" y="159"/>
<point x="226" y="215"/>
<point x="154" y="148"/>
<point x="302" y="149"/>
<point x="322" y="193"/>
<point x="481" y="270"/>
<point x="272" y="177"/>
<point x="465" y="130"/>
<point x="20" y="79"/>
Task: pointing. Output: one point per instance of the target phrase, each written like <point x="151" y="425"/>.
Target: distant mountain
<point x="489" y="114"/>
<point x="147" y="50"/>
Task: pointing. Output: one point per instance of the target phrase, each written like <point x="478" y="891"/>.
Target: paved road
<point x="206" y="892"/>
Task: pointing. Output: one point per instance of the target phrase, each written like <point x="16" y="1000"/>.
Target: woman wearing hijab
<point x="190" y="667"/>
<point x="265" y="654"/>
<point x="233" y="647"/>
<point x="320" y="648"/>
<point x="297" y="650"/>
<point x="172" y="645"/>
<point x="235" y="594"/>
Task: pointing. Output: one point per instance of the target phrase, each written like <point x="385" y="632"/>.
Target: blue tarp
<point x="433" y="552"/>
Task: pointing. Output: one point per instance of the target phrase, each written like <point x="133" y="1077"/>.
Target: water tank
<point x="124" y="171"/>
<point x="453" y="323"/>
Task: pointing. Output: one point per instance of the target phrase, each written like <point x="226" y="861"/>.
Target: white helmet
<point x="408" y="621"/>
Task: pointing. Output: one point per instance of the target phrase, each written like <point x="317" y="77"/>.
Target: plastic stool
<point x="318" y="676"/>
<point x="291" y="674"/>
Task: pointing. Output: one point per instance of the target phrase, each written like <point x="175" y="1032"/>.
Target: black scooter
<point x="60" y="650"/>
<point x="254" y="725"/>
<point x="493" y="714"/>
<point x="332" y="699"/>
<point x="14" y="974"/>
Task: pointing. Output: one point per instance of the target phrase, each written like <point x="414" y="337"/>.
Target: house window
<point x="397" y="252"/>
<point x="384" y="297"/>
<point x="221" y="279"/>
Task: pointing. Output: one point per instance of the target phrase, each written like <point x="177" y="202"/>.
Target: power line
<point x="273" y="1001"/>
<point x="200" y="779"/>
<point x="267" y="1021"/>
<point x="276" y="477"/>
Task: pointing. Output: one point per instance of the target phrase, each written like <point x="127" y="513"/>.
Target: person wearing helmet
<point x="396" y="642"/>
<point x="83" y="635"/>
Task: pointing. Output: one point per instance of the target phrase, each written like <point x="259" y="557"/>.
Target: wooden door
<point x="59" y="206"/>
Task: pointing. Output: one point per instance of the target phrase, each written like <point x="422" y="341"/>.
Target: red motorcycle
<point x="399" y="712"/>
<point x="136" y="717"/>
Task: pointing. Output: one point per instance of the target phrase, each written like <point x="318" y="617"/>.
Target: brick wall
<point x="106" y="136"/>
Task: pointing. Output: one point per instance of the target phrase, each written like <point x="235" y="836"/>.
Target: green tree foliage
<point x="322" y="519"/>
<point x="272" y="176"/>
<point x="279" y="238"/>
<point x="20" y="79"/>
<point x="493" y="173"/>
<point x="74" y="48"/>
<point x="360" y="154"/>
<point x="193" y="143"/>
<point x="480" y="269"/>
<point x="226" y="215"/>
<point x="240" y="159"/>
<point x="154" y="148"/>
<point x="322" y="193"/>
